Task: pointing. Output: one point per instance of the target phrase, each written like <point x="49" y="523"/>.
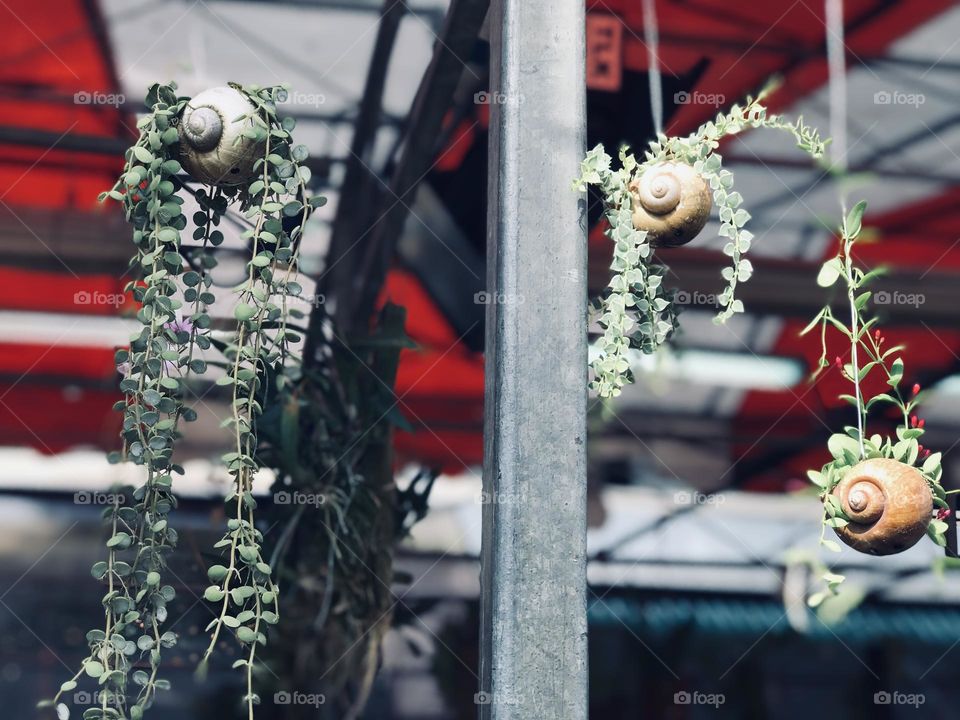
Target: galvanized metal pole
<point x="533" y="619"/>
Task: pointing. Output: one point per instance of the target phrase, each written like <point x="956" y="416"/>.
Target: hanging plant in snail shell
<point x="879" y="493"/>
<point x="231" y="141"/>
<point x="665" y="200"/>
<point x="671" y="203"/>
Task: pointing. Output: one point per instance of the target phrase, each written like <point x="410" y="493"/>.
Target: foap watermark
<point x="695" y="497"/>
<point x="83" y="697"/>
<point x="686" y="297"/>
<point x="85" y="97"/>
<point x="496" y="98"/>
<point x="299" y="698"/>
<point x="313" y="300"/>
<point x="488" y="298"/>
<point x="699" y="98"/>
<point x="685" y="697"/>
<point x="895" y="97"/>
<point x="895" y="297"/>
<point x="296" y="497"/>
<point x="304" y="99"/>
<point x="495" y="498"/>
<point x="487" y="698"/>
<point x="96" y="297"/>
<point x="88" y="497"/>
<point x="885" y="697"/>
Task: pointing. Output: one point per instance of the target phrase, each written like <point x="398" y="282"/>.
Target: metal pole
<point x="533" y="564"/>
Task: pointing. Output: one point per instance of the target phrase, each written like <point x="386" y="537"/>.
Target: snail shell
<point x="672" y="202"/>
<point x="202" y="129"/>
<point x="213" y="148"/>
<point x="889" y="505"/>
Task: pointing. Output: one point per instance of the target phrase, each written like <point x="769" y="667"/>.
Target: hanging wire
<point x="836" y="62"/>
<point x="651" y="35"/>
<point x="837" y="66"/>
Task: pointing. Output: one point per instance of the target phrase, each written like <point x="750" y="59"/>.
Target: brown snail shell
<point x="672" y="202"/>
<point x="213" y="148"/>
<point x="889" y="505"/>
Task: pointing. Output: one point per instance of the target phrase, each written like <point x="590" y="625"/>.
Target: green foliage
<point x="636" y="311"/>
<point x="867" y="356"/>
<point x="174" y="290"/>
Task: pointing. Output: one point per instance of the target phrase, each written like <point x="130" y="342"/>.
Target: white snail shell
<point x="672" y="202"/>
<point x="202" y="129"/>
<point x="213" y="148"/>
<point x="889" y="505"/>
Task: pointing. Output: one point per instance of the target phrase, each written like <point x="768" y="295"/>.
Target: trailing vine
<point x="173" y="287"/>
<point x="636" y="311"/>
<point x="868" y="357"/>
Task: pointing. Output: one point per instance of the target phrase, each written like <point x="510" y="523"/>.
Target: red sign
<point x="604" y="52"/>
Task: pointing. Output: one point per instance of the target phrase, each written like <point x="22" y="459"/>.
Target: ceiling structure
<point x="70" y="91"/>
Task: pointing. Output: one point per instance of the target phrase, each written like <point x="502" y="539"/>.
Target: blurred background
<point x="703" y="529"/>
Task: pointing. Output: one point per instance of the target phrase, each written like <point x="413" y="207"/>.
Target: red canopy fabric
<point x="57" y="85"/>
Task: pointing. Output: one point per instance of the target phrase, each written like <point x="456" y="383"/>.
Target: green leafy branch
<point x="135" y="604"/>
<point x="867" y="355"/>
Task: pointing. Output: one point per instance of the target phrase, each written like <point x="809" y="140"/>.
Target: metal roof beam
<point x="431" y="14"/>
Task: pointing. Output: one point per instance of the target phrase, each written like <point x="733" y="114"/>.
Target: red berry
<point x="913" y="421"/>
<point x="838" y="362"/>
<point x="143" y="185"/>
<point x="943" y="513"/>
<point x="916" y="388"/>
<point x="921" y="422"/>
<point x="136" y="198"/>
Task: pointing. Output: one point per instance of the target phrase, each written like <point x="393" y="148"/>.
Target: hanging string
<point x="836" y="62"/>
<point x="651" y="37"/>
<point x="837" y="66"/>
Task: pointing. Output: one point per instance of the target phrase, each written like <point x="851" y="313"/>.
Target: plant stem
<point x="854" y="330"/>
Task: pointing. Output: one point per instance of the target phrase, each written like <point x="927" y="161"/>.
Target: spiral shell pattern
<point x="889" y="505"/>
<point x="202" y="128"/>
<point x="672" y="202"/>
<point x="659" y="192"/>
<point x="213" y="146"/>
